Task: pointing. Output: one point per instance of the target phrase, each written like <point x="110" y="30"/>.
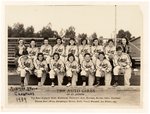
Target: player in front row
<point x="72" y="68"/>
<point x="57" y="69"/>
<point x="87" y="70"/>
<point x="103" y="69"/>
<point x="122" y="65"/>
<point x="40" y="68"/>
<point x="25" y="67"/>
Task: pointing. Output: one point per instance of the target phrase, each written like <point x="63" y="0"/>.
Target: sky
<point x="85" y="19"/>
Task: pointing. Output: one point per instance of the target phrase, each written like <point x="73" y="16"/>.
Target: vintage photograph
<point x="74" y="54"/>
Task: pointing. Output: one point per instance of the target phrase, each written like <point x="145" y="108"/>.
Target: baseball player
<point x="59" y="48"/>
<point x="33" y="50"/>
<point x="122" y="65"/>
<point x="110" y="50"/>
<point x="40" y="68"/>
<point x="103" y="69"/>
<point x="20" y="50"/>
<point x="46" y="49"/>
<point x="95" y="49"/>
<point x="83" y="49"/>
<point x="57" y="69"/>
<point x="87" y="70"/>
<point x="25" y="67"/>
<point x="72" y="48"/>
<point x="72" y="68"/>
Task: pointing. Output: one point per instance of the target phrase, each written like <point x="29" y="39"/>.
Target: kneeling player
<point x="72" y="68"/>
<point x="25" y="67"/>
<point x="103" y="69"/>
<point x="122" y="65"/>
<point x="40" y="68"/>
<point x="87" y="70"/>
<point x="57" y="69"/>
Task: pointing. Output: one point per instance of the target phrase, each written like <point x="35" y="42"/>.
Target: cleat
<point x="39" y="84"/>
<point x="52" y="84"/>
<point x="69" y="84"/>
<point x="84" y="84"/>
<point x="115" y="84"/>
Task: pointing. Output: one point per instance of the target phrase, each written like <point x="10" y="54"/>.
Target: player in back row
<point x="79" y="53"/>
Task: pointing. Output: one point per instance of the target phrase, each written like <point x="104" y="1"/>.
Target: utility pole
<point x="115" y="25"/>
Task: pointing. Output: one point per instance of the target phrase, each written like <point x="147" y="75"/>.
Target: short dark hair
<point x="102" y="54"/>
<point x="95" y="39"/>
<point x="69" y="55"/>
<point x="56" y="54"/>
<point x="83" y="40"/>
<point x="87" y="54"/>
<point x="73" y="40"/>
<point x="59" y="38"/>
<point x="46" y="38"/>
<point x="39" y="55"/>
<point x="110" y="40"/>
<point x="127" y="42"/>
<point x="119" y="48"/>
<point x="32" y="40"/>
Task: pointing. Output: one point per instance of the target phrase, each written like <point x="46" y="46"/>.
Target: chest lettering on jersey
<point x="73" y="66"/>
<point x="27" y="64"/>
<point x="57" y="65"/>
<point x="72" y="51"/>
<point x="46" y="50"/>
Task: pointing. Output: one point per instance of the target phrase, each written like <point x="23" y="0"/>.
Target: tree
<point x="18" y="30"/>
<point x="124" y="34"/>
<point x="83" y="35"/>
<point x="29" y="32"/>
<point x="94" y="35"/>
<point x="46" y="32"/>
<point x="70" y="32"/>
<point x="9" y="31"/>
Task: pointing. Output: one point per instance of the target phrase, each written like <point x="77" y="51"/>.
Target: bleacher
<point x="12" y="43"/>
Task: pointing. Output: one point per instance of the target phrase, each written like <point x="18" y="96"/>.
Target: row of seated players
<point x="89" y="68"/>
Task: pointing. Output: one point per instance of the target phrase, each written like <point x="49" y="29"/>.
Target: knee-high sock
<point x="22" y="79"/>
<point x="39" y="79"/>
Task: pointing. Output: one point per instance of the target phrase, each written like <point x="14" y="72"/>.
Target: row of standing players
<point x="91" y="62"/>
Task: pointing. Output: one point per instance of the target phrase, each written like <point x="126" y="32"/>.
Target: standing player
<point x="59" y="48"/>
<point x="20" y="50"/>
<point x="83" y="49"/>
<point x="32" y="50"/>
<point x="122" y="65"/>
<point x="110" y="50"/>
<point x="40" y="68"/>
<point x="46" y="49"/>
<point x="57" y="69"/>
<point x="103" y="69"/>
<point x="72" y="69"/>
<point x="25" y="67"/>
<point x="87" y="70"/>
<point x="72" y="48"/>
<point x="95" y="49"/>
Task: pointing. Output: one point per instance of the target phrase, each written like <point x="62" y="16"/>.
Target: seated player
<point x="46" y="49"/>
<point x="40" y="68"/>
<point x="87" y="70"/>
<point x="57" y="69"/>
<point x="83" y="49"/>
<point x="103" y="69"/>
<point x="95" y="49"/>
<point x="59" y="48"/>
<point x="122" y="65"/>
<point x="72" y="48"/>
<point x="33" y="50"/>
<point x="25" y="67"/>
<point x="72" y="68"/>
